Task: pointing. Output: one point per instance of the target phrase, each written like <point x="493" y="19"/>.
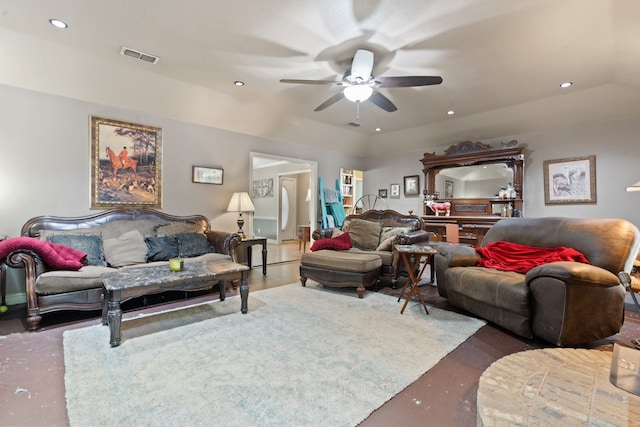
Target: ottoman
<point x="340" y="269"/>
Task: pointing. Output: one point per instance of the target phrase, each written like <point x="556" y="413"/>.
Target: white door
<point x="288" y="214"/>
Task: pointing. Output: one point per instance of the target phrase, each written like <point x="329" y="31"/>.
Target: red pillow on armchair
<point x="338" y="243"/>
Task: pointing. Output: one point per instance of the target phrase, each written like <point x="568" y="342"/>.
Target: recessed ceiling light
<point x="378" y="129"/>
<point x="565" y="85"/>
<point x="451" y="112"/>
<point x="238" y="83"/>
<point x="58" y="23"/>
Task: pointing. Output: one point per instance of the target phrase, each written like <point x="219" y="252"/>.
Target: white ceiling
<point x="501" y="61"/>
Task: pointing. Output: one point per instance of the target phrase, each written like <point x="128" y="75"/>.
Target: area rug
<point x="299" y="357"/>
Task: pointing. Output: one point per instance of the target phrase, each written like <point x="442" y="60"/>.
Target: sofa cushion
<point x="365" y="234"/>
<point x="44" y="234"/>
<point x="114" y="229"/>
<point x="385" y="256"/>
<point x="342" y="261"/>
<point x="129" y="248"/>
<point x="87" y="243"/>
<point x="501" y="297"/>
<point x="60" y="281"/>
<point x="162" y="248"/>
<point x="341" y="242"/>
<point x="175" y="228"/>
<point x="193" y="244"/>
<point x="388" y="231"/>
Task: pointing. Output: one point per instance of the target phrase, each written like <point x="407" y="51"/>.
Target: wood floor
<point x="32" y="364"/>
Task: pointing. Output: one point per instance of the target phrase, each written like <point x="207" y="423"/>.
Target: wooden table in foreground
<point x="411" y="256"/>
<point x="129" y="283"/>
<point x="554" y="387"/>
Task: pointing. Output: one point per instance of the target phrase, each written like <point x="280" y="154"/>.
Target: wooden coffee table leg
<point x="222" y="284"/>
<point x="244" y="293"/>
<point x="114" y="318"/>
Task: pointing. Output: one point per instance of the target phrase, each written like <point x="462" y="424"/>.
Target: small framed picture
<point x="448" y="189"/>
<point x="412" y="185"/>
<point x="207" y="175"/>
<point x="382" y="193"/>
<point x="395" y="191"/>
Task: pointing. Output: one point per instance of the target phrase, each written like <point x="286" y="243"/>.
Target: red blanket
<point x="507" y="256"/>
<point x="55" y="256"/>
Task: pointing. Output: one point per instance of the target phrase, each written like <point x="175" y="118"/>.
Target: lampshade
<point x="308" y="198"/>
<point x="240" y="202"/>
<point x="634" y="187"/>
<point x="358" y="92"/>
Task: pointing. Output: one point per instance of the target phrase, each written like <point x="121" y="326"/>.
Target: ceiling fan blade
<point x="362" y="64"/>
<point x="382" y="101"/>
<point x="408" y="81"/>
<point x="335" y="98"/>
<point x="310" y="82"/>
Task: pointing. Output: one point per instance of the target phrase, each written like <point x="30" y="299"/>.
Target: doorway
<point x="266" y="171"/>
<point x="288" y="212"/>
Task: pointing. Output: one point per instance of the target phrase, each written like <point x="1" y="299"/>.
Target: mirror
<point x="478" y="181"/>
<point x="470" y="176"/>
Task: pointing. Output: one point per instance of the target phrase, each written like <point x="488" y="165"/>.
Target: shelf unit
<point x="347" y="182"/>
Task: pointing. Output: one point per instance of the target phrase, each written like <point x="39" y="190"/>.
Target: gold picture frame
<point x="126" y="161"/>
<point x="570" y="181"/>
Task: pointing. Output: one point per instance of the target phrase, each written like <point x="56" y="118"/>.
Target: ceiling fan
<point x="360" y="85"/>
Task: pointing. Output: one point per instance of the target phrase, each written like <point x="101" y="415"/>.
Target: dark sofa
<point x="389" y="228"/>
<point x="54" y="290"/>
<point x="565" y="303"/>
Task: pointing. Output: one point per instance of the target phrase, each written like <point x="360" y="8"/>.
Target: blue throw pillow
<point x="193" y="244"/>
<point x="90" y="244"/>
<point x="161" y="248"/>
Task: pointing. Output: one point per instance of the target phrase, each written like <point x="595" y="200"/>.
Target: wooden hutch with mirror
<point x="472" y="185"/>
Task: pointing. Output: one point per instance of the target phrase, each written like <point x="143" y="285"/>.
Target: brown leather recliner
<point x="565" y="303"/>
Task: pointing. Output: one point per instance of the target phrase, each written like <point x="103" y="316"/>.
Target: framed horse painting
<point x="125" y="164"/>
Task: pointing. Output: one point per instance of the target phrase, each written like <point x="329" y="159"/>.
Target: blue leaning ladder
<point x="323" y="205"/>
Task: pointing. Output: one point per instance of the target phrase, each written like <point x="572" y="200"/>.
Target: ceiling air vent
<point x="139" y="55"/>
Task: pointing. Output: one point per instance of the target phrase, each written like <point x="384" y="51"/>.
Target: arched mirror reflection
<point x="477" y="181"/>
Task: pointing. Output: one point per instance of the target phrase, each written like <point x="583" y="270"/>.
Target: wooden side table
<point x="248" y="244"/>
<point x="411" y="256"/>
<point x="304" y="235"/>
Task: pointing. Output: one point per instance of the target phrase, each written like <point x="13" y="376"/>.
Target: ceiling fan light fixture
<point x="358" y="92"/>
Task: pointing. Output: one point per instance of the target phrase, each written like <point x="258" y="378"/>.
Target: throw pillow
<point x="336" y="232"/>
<point x="115" y="229"/>
<point x="92" y="231"/>
<point x="392" y="232"/>
<point x="338" y="243"/>
<point x="386" y="244"/>
<point x="89" y="244"/>
<point x="130" y="248"/>
<point x="193" y="244"/>
<point x="365" y="235"/>
<point x="162" y="248"/>
<point x="175" y="228"/>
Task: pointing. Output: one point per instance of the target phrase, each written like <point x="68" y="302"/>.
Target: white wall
<point x="45" y="160"/>
<point x="614" y="143"/>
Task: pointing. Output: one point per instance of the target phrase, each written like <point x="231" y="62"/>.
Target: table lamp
<point x="241" y="202"/>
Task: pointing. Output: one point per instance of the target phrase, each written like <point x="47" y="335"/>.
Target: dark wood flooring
<point x="32" y="364"/>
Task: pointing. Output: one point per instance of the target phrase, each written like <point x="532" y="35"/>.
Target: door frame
<point x="309" y="166"/>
